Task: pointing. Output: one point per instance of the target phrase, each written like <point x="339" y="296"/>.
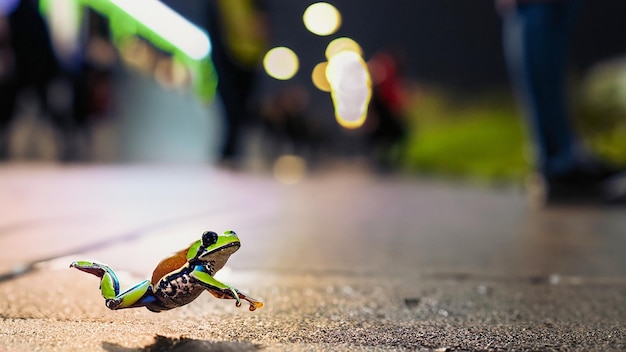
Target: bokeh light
<point x="319" y="77"/>
<point x="322" y="19"/>
<point x="138" y="54"/>
<point x="170" y="73"/>
<point x="64" y="26"/>
<point x="350" y="82"/>
<point x="281" y="63"/>
<point x="290" y="169"/>
<point x="7" y="6"/>
<point x="342" y="44"/>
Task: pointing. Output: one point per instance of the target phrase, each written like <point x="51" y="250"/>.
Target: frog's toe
<point x="255" y="305"/>
<point x="235" y="295"/>
<point x="113" y="303"/>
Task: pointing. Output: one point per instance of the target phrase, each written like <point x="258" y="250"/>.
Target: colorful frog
<point x="177" y="279"/>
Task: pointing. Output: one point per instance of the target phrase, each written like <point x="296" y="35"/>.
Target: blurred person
<point x="387" y="123"/>
<point x="287" y="126"/>
<point x="537" y="35"/>
<point x="30" y="63"/>
<point x="100" y="58"/>
<point x="27" y="59"/>
<point x="86" y="57"/>
<point x="239" y="38"/>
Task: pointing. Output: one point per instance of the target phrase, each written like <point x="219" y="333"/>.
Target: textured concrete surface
<point x="344" y="260"/>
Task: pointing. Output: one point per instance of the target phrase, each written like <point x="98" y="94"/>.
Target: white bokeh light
<point x="281" y="63"/>
<point x="322" y="19"/>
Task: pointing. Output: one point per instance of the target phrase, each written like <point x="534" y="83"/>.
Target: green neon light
<point x="123" y="26"/>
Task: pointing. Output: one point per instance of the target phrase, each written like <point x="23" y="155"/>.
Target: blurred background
<point x="93" y="81"/>
<point x="129" y="127"/>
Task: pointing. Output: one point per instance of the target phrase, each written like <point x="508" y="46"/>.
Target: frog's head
<point x="214" y="248"/>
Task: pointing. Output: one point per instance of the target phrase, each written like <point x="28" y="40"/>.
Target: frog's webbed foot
<point x="254" y="304"/>
<point x="137" y="296"/>
<point x="238" y="295"/>
<point x="224" y="291"/>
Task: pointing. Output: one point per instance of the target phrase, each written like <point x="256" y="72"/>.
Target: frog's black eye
<point x="209" y="238"/>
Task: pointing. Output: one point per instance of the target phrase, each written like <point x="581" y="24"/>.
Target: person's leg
<point x="55" y="97"/>
<point x="8" y="98"/>
<point x="233" y="92"/>
<point x="536" y="42"/>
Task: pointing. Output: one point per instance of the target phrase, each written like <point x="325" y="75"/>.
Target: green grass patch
<point x="480" y="138"/>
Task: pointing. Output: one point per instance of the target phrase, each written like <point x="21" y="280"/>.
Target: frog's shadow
<point x="169" y="344"/>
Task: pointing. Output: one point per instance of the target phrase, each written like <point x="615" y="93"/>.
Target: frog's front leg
<point x="137" y="296"/>
<point x="222" y="290"/>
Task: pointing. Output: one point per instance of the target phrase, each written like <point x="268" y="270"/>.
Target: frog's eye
<point x="209" y="238"/>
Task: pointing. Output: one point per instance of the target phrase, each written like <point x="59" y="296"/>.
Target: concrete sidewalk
<point x="345" y="260"/>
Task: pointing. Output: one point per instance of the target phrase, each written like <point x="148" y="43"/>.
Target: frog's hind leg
<point x="137" y="296"/>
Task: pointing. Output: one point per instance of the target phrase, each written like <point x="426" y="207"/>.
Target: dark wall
<point x="448" y="42"/>
<point x="601" y="32"/>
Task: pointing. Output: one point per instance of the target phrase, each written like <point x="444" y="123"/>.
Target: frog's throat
<point x="219" y="256"/>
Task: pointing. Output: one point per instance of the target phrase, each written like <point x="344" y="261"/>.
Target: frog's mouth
<point x="234" y="245"/>
<point x="226" y="249"/>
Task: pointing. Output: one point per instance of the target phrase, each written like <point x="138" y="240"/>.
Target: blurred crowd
<point x="58" y="75"/>
<point x="59" y="67"/>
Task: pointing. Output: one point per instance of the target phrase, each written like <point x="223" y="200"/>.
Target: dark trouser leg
<point x="8" y="98"/>
<point x="64" y="99"/>
<point x="536" y="41"/>
<point x="234" y="87"/>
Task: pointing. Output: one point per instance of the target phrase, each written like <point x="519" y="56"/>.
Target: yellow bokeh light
<point x="281" y="63"/>
<point x="171" y="73"/>
<point x="342" y="44"/>
<point x="137" y="53"/>
<point x="290" y="169"/>
<point x="319" y="77"/>
<point x="322" y="18"/>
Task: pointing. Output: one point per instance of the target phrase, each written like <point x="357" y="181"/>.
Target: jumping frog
<point x="177" y="279"/>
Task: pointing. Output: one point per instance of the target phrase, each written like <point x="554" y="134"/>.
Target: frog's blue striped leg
<point x="137" y="296"/>
<point x="222" y="290"/>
